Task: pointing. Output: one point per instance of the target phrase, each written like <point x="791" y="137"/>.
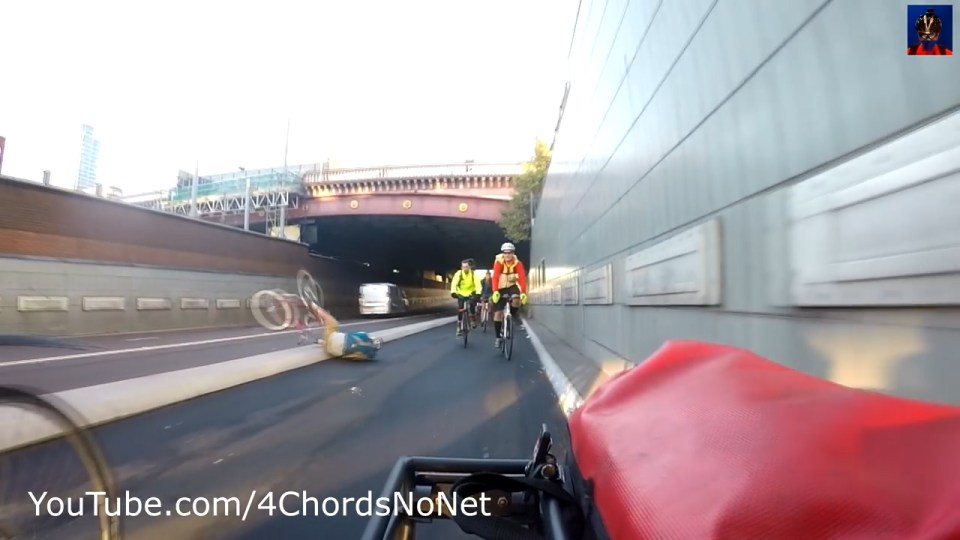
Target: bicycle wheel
<point x="484" y="315"/>
<point x="271" y="311"/>
<point x="508" y="336"/>
<point x="81" y="444"/>
<point x="465" y="326"/>
<point x="309" y="289"/>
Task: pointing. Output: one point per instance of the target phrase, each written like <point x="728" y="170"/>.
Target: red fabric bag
<point x="705" y="441"/>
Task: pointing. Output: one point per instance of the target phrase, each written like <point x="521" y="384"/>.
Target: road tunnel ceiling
<point x="406" y="242"/>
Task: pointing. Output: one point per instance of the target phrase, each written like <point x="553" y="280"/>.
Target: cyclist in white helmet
<point x="509" y="278"/>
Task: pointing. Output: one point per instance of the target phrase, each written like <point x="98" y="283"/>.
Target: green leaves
<point x="515" y="220"/>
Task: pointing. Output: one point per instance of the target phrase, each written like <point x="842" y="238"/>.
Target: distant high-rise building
<point x="89" y="152"/>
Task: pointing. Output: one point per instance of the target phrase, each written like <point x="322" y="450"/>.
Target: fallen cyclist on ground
<point x="707" y="441"/>
<point x="347" y="345"/>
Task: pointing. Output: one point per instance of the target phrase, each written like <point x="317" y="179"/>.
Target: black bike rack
<point x="426" y="477"/>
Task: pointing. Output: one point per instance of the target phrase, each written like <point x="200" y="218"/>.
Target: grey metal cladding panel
<point x="674" y="25"/>
<point x="599" y="140"/>
<point x="717" y="62"/>
<point x="744" y="153"/>
<point x="697" y="85"/>
<point x="649" y="68"/>
<point x="621" y="50"/>
<point x="836" y="101"/>
<point x="600" y="326"/>
<point x="557" y="228"/>
<point x="747" y="259"/>
<point x="591" y="25"/>
<point x="569" y="175"/>
<point x="612" y="71"/>
<point x="603" y="47"/>
<point x="582" y="72"/>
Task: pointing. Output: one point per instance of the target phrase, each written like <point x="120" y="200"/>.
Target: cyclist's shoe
<point x="459" y="331"/>
<point x="498" y="343"/>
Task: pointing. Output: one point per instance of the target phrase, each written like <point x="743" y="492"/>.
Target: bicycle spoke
<point x="71" y="445"/>
<point x="309" y="289"/>
<point x="271" y="311"/>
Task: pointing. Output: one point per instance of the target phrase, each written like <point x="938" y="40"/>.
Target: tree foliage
<point x="515" y="218"/>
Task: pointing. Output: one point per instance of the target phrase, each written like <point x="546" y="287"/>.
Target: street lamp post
<point x="194" y="185"/>
<point x="283" y="209"/>
<point x="246" y="201"/>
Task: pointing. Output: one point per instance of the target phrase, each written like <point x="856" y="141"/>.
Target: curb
<point x="568" y="397"/>
<point x="109" y="402"/>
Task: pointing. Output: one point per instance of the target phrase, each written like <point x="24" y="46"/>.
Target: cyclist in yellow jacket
<point x="466" y="287"/>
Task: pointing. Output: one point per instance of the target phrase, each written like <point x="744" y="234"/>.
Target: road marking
<point x="142" y="338"/>
<point x="148" y="348"/>
<point x="568" y="397"/>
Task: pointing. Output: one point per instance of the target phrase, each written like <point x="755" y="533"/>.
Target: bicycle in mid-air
<point x="277" y="310"/>
<point x="66" y="425"/>
<point x="506" y="344"/>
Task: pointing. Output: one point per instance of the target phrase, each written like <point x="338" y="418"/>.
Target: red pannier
<point x="705" y="441"/>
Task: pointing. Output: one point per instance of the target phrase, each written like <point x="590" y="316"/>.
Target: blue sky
<point x="167" y="85"/>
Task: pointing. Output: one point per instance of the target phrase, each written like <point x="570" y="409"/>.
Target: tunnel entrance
<point x="406" y="246"/>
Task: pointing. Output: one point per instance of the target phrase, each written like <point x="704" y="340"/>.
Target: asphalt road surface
<point x="103" y="359"/>
<point x="333" y="429"/>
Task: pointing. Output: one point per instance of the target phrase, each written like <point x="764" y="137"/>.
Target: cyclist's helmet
<point x="507" y="246"/>
<point x="928" y="26"/>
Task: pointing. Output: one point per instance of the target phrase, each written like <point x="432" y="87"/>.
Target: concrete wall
<point x="702" y="188"/>
<point x="42" y="221"/>
<point x="44" y="297"/>
<point x="73" y="264"/>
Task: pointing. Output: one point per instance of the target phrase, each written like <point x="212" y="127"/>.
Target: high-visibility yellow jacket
<point x="466" y="283"/>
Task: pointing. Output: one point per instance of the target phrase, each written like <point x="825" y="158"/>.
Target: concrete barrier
<point x="429" y="299"/>
<point x="113" y="401"/>
<point x="56" y="298"/>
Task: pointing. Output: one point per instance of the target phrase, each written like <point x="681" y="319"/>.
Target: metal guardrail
<point x="431" y="301"/>
<point x="367" y="174"/>
<point x="293" y="181"/>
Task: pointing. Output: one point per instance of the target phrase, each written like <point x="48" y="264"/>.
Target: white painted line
<point x="148" y="348"/>
<point x="142" y="338"/>
<point x="113" y="401"/>
<point x="568" y="396"/>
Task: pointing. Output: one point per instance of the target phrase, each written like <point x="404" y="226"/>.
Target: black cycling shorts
<point x="472" y="305"/>
<point x="513" y="289"/>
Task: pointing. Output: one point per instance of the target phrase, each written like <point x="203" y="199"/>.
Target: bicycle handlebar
<point x="427" y="477"/>
<point x="536" y="507"/>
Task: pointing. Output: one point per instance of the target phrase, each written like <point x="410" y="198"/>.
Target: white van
<point x="382" y="299"/>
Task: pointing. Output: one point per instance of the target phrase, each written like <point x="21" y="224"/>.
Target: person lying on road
<point x="347" y="345"/>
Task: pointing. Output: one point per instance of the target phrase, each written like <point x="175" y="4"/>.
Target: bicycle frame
<point x="508" y="327"/>
<point x="420" y="477"/>
<point x="464" y="323"/>
<point x="484" y="314"/>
